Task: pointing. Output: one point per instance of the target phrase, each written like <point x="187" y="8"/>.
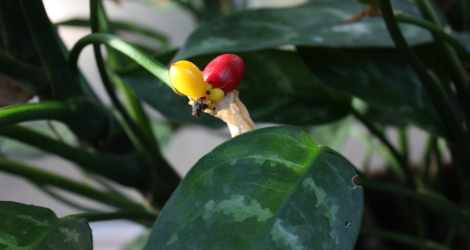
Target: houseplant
<point x="267" y="188"/>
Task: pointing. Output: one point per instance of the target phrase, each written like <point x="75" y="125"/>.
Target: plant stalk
<point x="41" y="176"/>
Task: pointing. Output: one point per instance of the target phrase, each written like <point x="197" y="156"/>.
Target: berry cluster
<point x="220" y="77"/>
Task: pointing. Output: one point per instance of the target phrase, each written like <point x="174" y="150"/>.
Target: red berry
<point x="224" y="72"/>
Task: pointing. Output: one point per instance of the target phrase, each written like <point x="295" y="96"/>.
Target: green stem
<point x="124" y="26"/>
<point x="43" y="188"/>
<point x="50" y="110"/>
<point x="142" y="142"/>
<point x="125" y="47"/>
<point x="121" y="214"/>
<point x="433" y="201"/>
<point x="450" y="46"/>
<point x="122" y="170"/>
<point x="398" y="157"/>
<point x="403" y="141"/>
<point x="140" y="57"/>
<point x="426" y="159"/>
<point x="455" y="68"/>
<point x="41" y="176"/>
<point x="436" y="31"/>
<point x="169" y="179"/>
<point x="437" y="179"/>
<point x="100" y="23"/>
<point x="136" y="111"/>
<point x="455" y="132"/>
<point x="403" y="238"/>
<point x="71" y="113"/>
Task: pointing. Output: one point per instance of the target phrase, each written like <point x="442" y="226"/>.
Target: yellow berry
<point x="208" y="86"/>
<point x="187" y="79"/>
<point x="216" y="95"/>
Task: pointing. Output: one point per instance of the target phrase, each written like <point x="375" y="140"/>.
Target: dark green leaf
<point x="31" y="227"/>
<point x="382" y="118"/>
<point x="380" y="77"/>
<point x="277" y="87"/>
<point x="271" y="188"/>
<point x="319" y="23"/>
<point x="63" y="82"/>
<point x="17" y="39"/>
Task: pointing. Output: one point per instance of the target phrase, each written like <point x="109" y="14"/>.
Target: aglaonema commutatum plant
<point x="270" y="188"/>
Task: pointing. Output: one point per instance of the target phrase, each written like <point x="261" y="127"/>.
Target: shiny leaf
<point x="31" y="227"/>
<point x="318" y="23"/>
<point x="270" y="188"/>
<point x="378" y="76"/>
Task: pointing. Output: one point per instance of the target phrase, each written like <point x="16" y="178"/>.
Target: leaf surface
<point x="317" y="23"/>
<point x="271" y="188"/>
<point x="37" y="228"/>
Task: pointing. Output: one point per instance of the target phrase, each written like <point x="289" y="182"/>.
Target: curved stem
<point x="398" y="157"/>
<point x="146" y="144"/>
<point x="136" y="111"/>
<point x="121" y="170"/>
<point x="140" y="57"/>
<point x="123" y="26"/>
<point x="49" y="110"/>
<point x="451" y="47"/>
<point x="41" y="176"/>
<point x="66" y="201"/>
<point x="436" y="31"/>
<point x="71" y="113"/>
<point x="455" y="132"/>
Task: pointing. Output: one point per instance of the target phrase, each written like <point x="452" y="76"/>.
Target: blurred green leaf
<point x="377" y="116"/>
<point x="333" y="134"/>
<point x="138" y="243"/>
<point x="270" y="188"/>
<point x="31" y="227"/>
<point x="277" y="87"/>
<point x="318" y="23"/>
<point x="378" y="76"/>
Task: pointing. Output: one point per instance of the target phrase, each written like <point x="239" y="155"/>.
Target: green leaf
<point x="64" y="83"/>
<point x="333" y="134"/>
<point x="138" y="243"/>
<point x="378" y="76"/>
<point x="30" y="227"/>
<point x="163" y="130"/>
<point x="270" y="188"/>
<point x="318" y="23"/>
<point x="277" y="87"/>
